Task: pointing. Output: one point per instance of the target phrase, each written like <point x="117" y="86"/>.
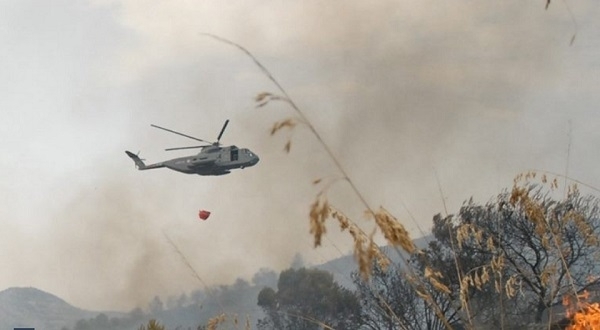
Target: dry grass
<point x="365" y="249"/>
<point x="319" y="212"/>
<point x="215" y="321"/>
<point x="393" y="231"/>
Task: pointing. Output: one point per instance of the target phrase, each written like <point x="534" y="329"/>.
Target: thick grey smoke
<point x="400" y="91"/>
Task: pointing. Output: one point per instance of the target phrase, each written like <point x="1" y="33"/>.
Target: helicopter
<point x="211" y="160"/>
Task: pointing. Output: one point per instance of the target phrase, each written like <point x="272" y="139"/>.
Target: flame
<point x="583" y="315"/>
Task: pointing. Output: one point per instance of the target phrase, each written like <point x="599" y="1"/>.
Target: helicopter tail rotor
<point x="139" y="163"/>
<point x="138" y="155"/>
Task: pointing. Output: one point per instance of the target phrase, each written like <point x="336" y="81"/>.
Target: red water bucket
<point x="203" y="214"/>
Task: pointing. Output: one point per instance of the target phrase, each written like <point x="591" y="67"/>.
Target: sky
<point x="425" y="104"/>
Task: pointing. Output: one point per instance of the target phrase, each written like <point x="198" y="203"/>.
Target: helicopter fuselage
<point x="213" y="161"/>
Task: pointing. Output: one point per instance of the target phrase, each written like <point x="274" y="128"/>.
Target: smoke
<point x="446" y="87"/>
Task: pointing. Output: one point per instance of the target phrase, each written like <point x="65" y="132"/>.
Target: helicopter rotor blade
<point x="181" y="148"/>
<point x="222" y="130"/>
<point x="174" y="132"/>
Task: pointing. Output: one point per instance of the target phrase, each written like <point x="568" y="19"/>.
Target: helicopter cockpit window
<point x="234" y="154"/>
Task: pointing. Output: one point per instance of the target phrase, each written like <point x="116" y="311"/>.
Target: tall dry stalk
<point x="457" y="266"/>
<point x="214" y="322"/>
<point x="393" y="230"/>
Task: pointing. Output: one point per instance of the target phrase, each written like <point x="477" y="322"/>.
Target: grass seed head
<point x="464" y="290"/>
<point x="511" y="286"/>
<point x="393" y="231"/>
<point x="376" y="254"/>
<point x="546" y="274"/>
<point x="319" y="212"/>
<point x="214" y="322"/>
<point x="434" y="278"/>
<point x="485" y="275"/>
<point x="289" y="123"/>
<point x="490" y="244"/>
<point x="262" y="96"/>
<point x="341" y="218"/>
<point x="365" y="249"/>
<point x="497" y="264"/>
<point x="360" y="252"/>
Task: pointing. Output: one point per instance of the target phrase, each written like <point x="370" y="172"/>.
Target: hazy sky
<point x="474" y="91"/>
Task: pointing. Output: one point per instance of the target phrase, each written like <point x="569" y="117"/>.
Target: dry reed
<point x="214" y="322"/>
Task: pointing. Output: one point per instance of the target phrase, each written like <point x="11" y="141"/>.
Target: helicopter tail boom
<point x="140" y="164"/>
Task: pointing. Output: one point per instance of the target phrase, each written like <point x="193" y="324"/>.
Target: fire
<point x="583" y="315"/>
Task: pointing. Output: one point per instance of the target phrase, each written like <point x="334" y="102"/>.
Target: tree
<point x="548" y="247"/>
<point x="308" y="299"/>
<point x="388" y="301"/>
<point x="101" y="321"/>
<point x="156" y="306"/>
<point x="394" y="298"/>
<point x="533" y="248"/>
<point x="297" y="261"/>
<point x="265" y="277"/>
<point x="501" y="264"/>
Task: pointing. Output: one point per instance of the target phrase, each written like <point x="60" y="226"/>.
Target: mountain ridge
<point x="32" y="307"/>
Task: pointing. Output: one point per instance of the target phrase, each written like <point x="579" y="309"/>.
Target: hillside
<point x="30" y="307"/>
<point x="344" y="266"/>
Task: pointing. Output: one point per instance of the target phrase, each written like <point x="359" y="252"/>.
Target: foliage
<point x="156" y="306"/>
<point x="265" y="277"/>
<point x="308" y="299"/>
<point x="102" y="321"/>
<point x="402" y="295"/>
<point x="539" y="248"/>
<point x="389" y="301"/>
<point x="188" y="310"/>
